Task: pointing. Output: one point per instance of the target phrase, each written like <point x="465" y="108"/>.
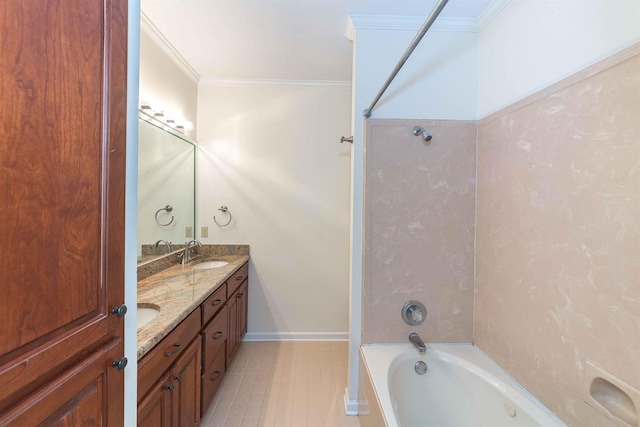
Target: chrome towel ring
<point x="167" y="209"/>
<point x="225" y="210"/>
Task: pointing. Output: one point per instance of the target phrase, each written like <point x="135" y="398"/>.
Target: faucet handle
<point x="414" y="312"/>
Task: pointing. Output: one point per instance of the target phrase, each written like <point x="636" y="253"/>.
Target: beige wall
<point x="271" y="152"/>
<point x="558" y="238"/>
<point x="419" y="229"/>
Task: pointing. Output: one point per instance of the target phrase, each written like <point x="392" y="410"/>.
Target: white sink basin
<point x="146" y="314"/>
<point x="207" y="265"/>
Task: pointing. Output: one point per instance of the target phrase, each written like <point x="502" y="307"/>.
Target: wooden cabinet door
<point x="62" y="182"/>
<point x="186" y="377"/>
<point x="237" y="306"/>
<point x="79" y="397"/>
<point x="157" y="408"/>
<point x="243" y="310"/>
<point x="232" y="338"/>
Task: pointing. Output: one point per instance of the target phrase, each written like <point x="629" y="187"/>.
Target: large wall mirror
<point x="166" y="187"/>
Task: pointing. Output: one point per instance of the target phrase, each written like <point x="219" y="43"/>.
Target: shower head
<point x="419" y="130"/>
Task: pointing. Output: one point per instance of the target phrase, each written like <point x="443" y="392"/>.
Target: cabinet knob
<point x="178" y="378"/>
<point x="218" y="335"/>
<point x="216" y="302"/>
<point x="171" y="353"/>
<point x="239" y="278"/>
<point x="120" y="364"/>
<point x="120" y="311"/>
<point x="239" y="295"/>
<point x="170" y="387"/>
<point x="216" y="375"/>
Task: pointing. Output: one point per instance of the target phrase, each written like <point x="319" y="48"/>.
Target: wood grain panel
<point x="51" y="166"/>
<point x="78" y="397"/>
<point x="186" y="373"/>
<point x="156" y="410"/>
<point x="62" y="181"/>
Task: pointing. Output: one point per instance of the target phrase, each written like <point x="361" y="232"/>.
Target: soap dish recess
<point x="610" y="396"/>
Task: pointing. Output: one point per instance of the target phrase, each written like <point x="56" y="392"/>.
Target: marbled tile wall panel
<point x="419" y="229"/>
<point x="558" y="239"/>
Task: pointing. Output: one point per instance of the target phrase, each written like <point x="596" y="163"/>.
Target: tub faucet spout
<point x="417" y="342"/>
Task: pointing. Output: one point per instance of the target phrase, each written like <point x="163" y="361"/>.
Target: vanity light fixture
<point x="146" y="107"/>
<point x="177" y="123"/>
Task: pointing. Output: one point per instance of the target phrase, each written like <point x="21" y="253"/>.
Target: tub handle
<point x="414" y="312"/>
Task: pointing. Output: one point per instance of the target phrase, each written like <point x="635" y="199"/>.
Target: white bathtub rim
<point x="385" y="407"/>
<point x="489" y="371"/>
<point x="469" y="356"/>
<point x="476" y="361"/>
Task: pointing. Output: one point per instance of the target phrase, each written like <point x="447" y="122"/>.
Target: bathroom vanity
<point x="183" y="353"/>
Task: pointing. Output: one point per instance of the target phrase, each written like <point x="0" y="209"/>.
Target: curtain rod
<point x="421" y="32"/>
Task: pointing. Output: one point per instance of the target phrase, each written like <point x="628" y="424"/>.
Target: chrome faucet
<point x="165" y="242"/>
<point x="186" y="256"/>
<point x="417" y="342"/>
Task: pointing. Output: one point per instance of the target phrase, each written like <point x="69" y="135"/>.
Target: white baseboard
<point x="296" y="336"/>
<point x="354" y="407"/>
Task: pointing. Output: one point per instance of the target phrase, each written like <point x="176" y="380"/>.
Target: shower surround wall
<point x="558" y="243"/>
<point x="419" y="228"/>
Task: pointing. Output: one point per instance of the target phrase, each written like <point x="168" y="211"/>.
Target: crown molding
<point x="414" y="23"/>
<point x="491" y="12"/>
<point x="337" y="84"/>
<point x="350" y="31"/>
<point x="152" y="31"/>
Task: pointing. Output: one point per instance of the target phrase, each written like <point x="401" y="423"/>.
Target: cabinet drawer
<point x="158" y="360"/>
<point x="212" y="379"/>
<point x="237" y="278"/>
<point x="215" y="336"/>
<point x="214" y="303"/>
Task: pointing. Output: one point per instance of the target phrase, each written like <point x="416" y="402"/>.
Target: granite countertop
<point x="177" y="291"/>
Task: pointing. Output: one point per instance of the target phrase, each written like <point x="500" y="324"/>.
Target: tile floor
<point x="283" y="384"/>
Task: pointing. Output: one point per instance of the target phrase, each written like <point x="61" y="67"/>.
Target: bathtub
<point x="461" y="388"/>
